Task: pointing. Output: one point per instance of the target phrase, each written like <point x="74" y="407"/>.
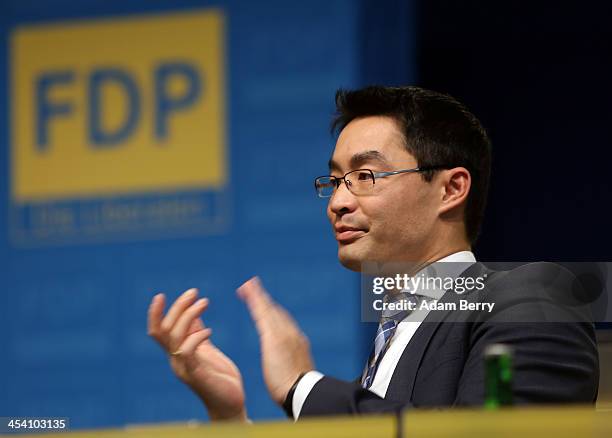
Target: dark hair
<point x="438" y="130"/>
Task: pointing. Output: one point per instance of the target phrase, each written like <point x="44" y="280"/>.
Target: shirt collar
<point x="450" y="266"/>
<point x="461" y="256"/>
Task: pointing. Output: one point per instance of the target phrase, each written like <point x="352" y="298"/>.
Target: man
<point x="408" y="183"/>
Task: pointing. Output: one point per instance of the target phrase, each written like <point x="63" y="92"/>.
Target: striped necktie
<point x="389" y="321"/>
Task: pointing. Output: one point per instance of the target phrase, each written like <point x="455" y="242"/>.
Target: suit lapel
<point x="404" y="376"/>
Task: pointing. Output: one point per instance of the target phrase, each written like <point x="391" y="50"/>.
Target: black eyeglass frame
<point x="375" y="175"/>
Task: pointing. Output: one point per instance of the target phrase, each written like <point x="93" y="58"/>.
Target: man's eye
<point x="364" y="176"/>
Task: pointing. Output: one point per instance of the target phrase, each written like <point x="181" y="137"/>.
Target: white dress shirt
<point x="404" y="332"/>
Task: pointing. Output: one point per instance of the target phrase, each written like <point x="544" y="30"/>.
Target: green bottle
<point x="498" y="376"/>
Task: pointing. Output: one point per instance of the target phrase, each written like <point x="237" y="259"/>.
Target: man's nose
<point x="342" y="200"/>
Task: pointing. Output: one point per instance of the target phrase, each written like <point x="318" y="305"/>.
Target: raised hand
<point x="285" y="350"/>
<point x="194" y="358"/>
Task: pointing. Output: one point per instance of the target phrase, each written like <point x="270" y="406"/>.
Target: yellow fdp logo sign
<point x="118" y="107"/>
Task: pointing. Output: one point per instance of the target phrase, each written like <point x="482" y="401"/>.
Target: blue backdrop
<point x="73" y="315"/>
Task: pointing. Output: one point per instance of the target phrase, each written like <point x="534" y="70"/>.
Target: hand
<point x="285" y="350"/>
<point x="194" y="358"/>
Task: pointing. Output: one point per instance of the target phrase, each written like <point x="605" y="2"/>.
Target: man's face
<point x="396" y="222"/>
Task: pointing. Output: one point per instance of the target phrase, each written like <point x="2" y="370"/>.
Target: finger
<point x="285" y="319"/>
<point x="196" y="325"/>
<point x="177" y="308"/>
<point x="188" y="347"/>
<point x="179" y="331"/>
<point x="154" y="315"/>
<point x="260" y="305"/>
<point x="280" y="319"/>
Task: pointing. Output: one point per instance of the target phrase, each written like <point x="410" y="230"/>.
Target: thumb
<point x="258" y="302"/>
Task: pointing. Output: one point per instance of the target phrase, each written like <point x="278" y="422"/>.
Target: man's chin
<point x="350" y="258"/>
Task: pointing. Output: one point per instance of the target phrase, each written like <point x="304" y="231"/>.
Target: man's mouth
<point x="346" y="234"/>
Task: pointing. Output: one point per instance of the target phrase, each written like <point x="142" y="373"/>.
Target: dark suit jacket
<point x="554" y="349"/>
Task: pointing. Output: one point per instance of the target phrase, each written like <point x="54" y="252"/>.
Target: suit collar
<point x="403" y="379"/>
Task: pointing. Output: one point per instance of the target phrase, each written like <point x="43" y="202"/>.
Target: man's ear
<point x="455" y="187"/>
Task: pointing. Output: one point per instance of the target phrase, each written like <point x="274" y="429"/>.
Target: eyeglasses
<point x="360" y="181"/>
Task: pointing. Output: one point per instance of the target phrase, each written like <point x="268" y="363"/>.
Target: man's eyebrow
<point x="332" y="165"/>
<point x="360" y="158"/>
<point x="363" y="157"/>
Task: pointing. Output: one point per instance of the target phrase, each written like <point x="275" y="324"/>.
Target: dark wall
<point x="537" y="75"/>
